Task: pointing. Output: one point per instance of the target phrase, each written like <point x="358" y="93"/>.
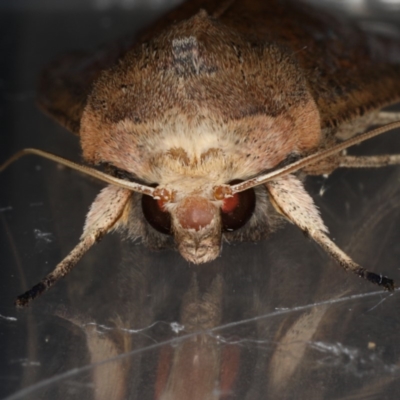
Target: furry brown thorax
<point x="192" y="115"/>
<point x="174" y="113"/>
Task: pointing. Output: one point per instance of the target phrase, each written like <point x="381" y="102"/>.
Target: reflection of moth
<point x="189" y="120"/>
<point x="197" y="364"/>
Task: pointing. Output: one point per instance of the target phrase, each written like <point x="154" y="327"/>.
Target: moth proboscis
<point x="197" y="120"/>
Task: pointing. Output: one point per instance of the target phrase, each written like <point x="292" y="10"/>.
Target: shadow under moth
<point x="206" y="123"/>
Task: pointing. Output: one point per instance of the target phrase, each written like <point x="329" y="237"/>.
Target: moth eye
<point x="237" y="210"/>
<point x="156" y="215"/>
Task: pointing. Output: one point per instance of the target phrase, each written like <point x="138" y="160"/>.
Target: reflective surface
<point x="275" y="319"/>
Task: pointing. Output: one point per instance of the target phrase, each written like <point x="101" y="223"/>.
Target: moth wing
<point x="353" y="71"/>
<point x="349" y="71"/>
<point x="65" y="83"/>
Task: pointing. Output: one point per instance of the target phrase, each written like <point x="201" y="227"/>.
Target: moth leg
<point x="106" y="213"/>
<point x="291" y="199"/>
<point x="386" y="117"/>
<point x="345" y="161"/>
<point x="329" y="164"/>
<point x="348" y="264"/>
<point x="368" y="161"/>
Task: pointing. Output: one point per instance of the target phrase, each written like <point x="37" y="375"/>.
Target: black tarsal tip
<point x="24" y="299"/>
<point x="380" y="280"/>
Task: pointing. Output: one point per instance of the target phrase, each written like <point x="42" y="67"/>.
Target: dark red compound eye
<point x="237" y="210"/>
<point x="156" y="215"/>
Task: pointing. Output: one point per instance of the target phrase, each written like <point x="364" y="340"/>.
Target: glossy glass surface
<point x="270" y="320"/>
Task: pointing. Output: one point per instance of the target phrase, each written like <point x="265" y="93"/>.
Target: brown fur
<point x="133" y="105"/>
<point x="229" y="90"/>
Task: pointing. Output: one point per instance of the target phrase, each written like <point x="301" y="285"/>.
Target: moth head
<point x="197" y="219"/>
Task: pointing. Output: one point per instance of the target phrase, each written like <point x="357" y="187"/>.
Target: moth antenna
<point x="135" y="187"/>
<point x="106" y="213"/>
<point x="311" y="159"/>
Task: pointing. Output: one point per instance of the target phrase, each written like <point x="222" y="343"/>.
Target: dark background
<point x="297" y="325"/>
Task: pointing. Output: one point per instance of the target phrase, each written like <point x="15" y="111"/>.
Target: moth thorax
<point x="195" y="212"/>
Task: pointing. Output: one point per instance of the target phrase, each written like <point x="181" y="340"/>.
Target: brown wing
<point x="349" y="72"/>
<point x="65" y="83"/>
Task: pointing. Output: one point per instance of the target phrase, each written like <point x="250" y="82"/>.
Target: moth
<point x="206" y="124"/>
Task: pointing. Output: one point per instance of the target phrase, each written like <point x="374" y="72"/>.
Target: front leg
<point x="291" y="199"/>
<point x="106" y="214"/>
